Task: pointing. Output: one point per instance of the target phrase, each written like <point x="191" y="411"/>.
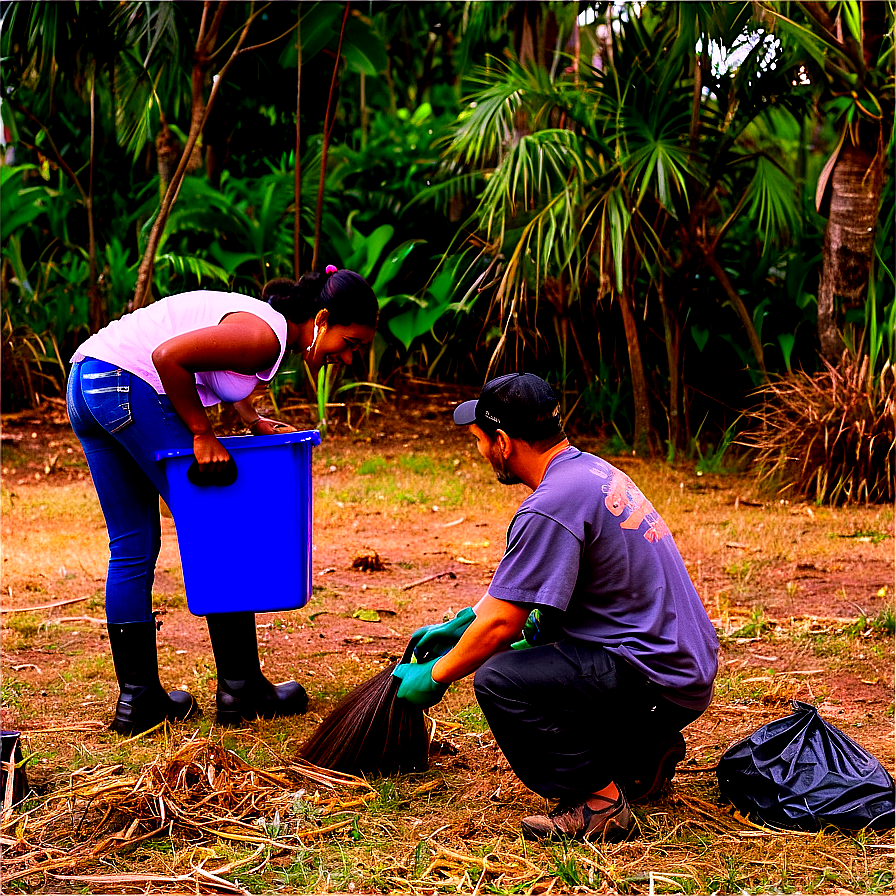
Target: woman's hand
<point x="210" y="454"/>
<point x="264" y="426"/>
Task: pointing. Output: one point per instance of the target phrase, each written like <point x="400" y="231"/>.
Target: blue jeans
<point x="121" y="422"/>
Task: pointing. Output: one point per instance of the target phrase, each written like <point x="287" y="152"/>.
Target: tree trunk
<point x="205" y="45"/>
<point x="330" y="116"/>
<point x="856" y="185"/>
<point x="297" y="184"/>
<point x="738" y="304"/>
<point x="167" y="154"/>
<point x="672" y="332"/>
<point x="96" y="304"/>
<point x="197" y="111"/>
<point x="639" y="378"/>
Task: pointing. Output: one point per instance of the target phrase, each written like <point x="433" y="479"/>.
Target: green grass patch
<point x="62" y="503"/>
<point x="884" y="623"/>
<point x="418" y="463"/>
<point x="472" y="719"/>
<point x="372" y="466"/>
<point x="755" y="686"/>
<point x="25" y="625"/>
<point x="872" y="535"/>
<point x="740" y="570"/>
<point x="176" y="600"/>
<point x="98" y="666"/>
<point x="754" y="627"/>
<point x="14" y="693"/>
<point x="387" y="492"/>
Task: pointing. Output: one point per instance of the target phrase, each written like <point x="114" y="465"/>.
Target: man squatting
<point x="623" y="655"/>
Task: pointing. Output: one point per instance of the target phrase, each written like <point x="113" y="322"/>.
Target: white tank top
<point x="130" y="341"/>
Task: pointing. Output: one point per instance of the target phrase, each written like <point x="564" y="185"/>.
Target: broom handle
<point x="408" y="653"/>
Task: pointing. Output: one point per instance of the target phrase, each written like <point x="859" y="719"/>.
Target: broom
<point x="371" y="730"/>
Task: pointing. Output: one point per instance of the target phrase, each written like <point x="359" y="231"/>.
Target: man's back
<point x="587" y="542"/>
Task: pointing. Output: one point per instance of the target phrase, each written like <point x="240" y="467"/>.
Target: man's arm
<point x="497" y="625"/>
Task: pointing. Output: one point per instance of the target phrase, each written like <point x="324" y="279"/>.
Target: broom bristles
<point x="371" y="730"/>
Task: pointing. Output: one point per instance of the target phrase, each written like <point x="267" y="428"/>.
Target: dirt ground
<point x="787" y="585"/>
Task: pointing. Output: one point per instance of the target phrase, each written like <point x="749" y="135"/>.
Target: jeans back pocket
<point x="107" y="392"/>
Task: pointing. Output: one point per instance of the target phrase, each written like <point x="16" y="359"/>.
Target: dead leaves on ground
<point x="201" y="791"/>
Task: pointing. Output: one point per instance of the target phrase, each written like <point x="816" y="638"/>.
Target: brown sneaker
<point x="611" y="822"/>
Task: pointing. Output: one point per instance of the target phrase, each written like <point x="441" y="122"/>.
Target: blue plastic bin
<point x="246" y="546"/>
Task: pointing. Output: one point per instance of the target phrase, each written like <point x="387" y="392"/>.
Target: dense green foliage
<point x="621" y="197"/>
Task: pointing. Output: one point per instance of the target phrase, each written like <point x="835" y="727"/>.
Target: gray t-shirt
<point x="588" y="543"/>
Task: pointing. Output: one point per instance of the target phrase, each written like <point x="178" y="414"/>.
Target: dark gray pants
<point x="571" y="717"/>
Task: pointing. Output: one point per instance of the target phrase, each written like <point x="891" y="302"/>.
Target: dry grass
<point x="828" y="437"/>
<point x="236" y="828"/>
<point x="200" y="791"/>
<point x="195" y="809"/>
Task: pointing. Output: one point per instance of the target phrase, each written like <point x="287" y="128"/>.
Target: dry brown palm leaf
<point x="371" y="730"/>
<point x="828" y="436"/>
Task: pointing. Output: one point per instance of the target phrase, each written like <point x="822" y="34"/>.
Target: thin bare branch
<point x="323" y="159"/>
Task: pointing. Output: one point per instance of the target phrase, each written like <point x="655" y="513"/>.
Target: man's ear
<point x="504" y="443"/>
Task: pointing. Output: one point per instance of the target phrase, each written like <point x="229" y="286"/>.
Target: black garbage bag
<point x="801" y="772"/>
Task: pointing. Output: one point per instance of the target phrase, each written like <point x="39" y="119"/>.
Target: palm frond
<point x="772" y="200"/>
<point x="533" y="169"/>
<point x="616" y="223"/>
<point x="441" y="193"/>
<point x="828" y="54"/>
<point x="510" y="95"/>
<point x="182" y="265"/>
<point x="653" y="149"/>
<point x="136" y="103"/>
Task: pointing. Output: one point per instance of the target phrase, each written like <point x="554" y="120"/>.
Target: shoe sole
<point x="234" y="716"/>
<point x="616" y="834"/>
<point x="613" y="833"/>
<point x="125" y="725"/>
<point x="665" y="771"/>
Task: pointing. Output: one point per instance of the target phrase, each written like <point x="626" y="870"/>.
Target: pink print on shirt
<point x="622" y="493"/>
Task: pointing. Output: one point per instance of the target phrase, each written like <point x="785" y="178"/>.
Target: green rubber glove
<point x="417" y="684"/>
<point x="534" y="632"/>
<point x="432" y="641"/>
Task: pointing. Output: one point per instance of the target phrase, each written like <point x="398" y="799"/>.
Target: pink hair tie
<point x="331" y="269"/>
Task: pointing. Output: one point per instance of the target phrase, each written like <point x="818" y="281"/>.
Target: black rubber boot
<point x="243" y="691"/>
<point x="143" y="702"/>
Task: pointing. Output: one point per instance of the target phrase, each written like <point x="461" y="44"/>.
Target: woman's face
<point x="338" y="344"/>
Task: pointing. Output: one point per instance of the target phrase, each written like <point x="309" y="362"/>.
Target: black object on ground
<point x="371" y="730"/>
<point x="11" y="755"/>
<point x="802" y="772"/>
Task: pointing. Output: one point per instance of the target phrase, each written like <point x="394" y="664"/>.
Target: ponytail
<point x="346" y="295"/>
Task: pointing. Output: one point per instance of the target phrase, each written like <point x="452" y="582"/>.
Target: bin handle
<point x="225" y="476"/>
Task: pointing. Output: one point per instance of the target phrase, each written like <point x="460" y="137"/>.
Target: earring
<point x="313" y="339"/>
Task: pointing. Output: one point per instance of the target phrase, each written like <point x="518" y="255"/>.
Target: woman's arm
<point x="242" y="342"/>
<point x="256" y="424"/>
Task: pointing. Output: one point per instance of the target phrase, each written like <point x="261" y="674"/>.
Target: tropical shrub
<point x="828" y="436"/>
